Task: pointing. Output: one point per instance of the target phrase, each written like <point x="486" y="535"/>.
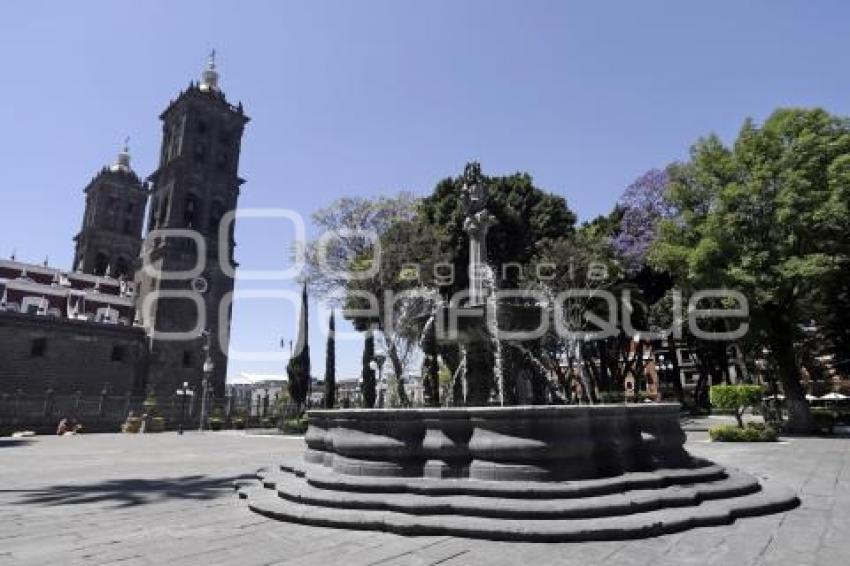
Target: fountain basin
<point x="523" y="443"/>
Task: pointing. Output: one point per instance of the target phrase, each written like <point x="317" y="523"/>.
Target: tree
<point x="525" y="214"/>
<point x="643" y="204"/>
<point x="298" y="368"/>
<point x="431" y="365"/>
<point x="377" y="236"/>
<point x="735" y="398"/>
<point x="349" y="228"/>
<point x="367" y="376"/>
<point x="330" y="364"/>
<point x="767" y="217"/>
<point x="574" y="258"/>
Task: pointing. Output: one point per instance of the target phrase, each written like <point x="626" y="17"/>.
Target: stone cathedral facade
<point x="146" y="301"/>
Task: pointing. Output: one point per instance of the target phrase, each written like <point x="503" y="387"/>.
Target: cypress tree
<point x="367" y="383"/>
<point x="330" y="365"/>
<point x="298" y="368"/>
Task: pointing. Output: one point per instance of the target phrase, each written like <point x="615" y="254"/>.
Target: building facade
<point x="189" y="249"/>
<point x="143" y="309"/>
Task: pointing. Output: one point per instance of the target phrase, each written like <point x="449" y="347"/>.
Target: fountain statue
<point x="547" y="473"/>
<point x="476" y="224"/>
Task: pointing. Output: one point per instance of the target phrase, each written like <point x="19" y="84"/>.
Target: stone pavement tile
<point x="832" y="556"/>
<point x="789" y="557"/>
<point x="742" y="548"/>
<point x="704" y="557"/>
<point x="488" y="553"/>
<point x="319" y="545"/>
<point x="566" y="554"/>
<point x="123" y="535"/>
<point x="802" y="537"/>
<point x="751" y="525"/>
<point x="169" y="529"/>
<point x="818" y="502"/>
<point x="697" y="547"/>
<point x="203" y="548"/>
<point x="634" y="555"/>
<point x="394" y="548"/>
<point x="438" y="551"/>
<point x="837" y="533"/>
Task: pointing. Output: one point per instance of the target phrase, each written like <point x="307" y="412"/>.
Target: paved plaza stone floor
<point x="167" y="499"/>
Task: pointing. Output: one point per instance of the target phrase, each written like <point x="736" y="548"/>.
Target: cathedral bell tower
<point x="111" y="235"/>
<point x="181" y="277"/>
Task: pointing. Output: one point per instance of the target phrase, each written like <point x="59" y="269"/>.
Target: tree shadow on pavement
<point x="14" y="442"/>
<point x="129" y="492"/>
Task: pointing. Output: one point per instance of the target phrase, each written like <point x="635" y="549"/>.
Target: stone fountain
<point x="535" y="473"/>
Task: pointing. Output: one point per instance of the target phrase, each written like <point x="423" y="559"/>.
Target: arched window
<point x="216" y="213"/>
<point x="200" y="152"/>
<point x="163" y="211"/>
<point x="122" y="268"/>
<point x="111" y="208"/>
<point x="129" y="221"/>
<point x="190" y="212"/>
<point x="101" y="263"/>
<point x="152" y="217"/>
<point x="222" y="160"/>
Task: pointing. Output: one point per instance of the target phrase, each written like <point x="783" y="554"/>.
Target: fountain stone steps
<point x="296" y="489"/>
<point x="321" y="477"/>
<point x="557" y="473"/>
<point x="770" y="499"/>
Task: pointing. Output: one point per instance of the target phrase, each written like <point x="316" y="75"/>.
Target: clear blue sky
<point x="368" y="98"/>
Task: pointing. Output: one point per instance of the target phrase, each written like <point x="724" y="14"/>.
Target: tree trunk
<point x="452" y="358"/>
<point x="398" y="369"/>
<point x="782" y="342"/>
<point x="676" y="371"/>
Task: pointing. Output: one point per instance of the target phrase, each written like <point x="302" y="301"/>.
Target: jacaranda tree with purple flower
<point x="644" y="204"/>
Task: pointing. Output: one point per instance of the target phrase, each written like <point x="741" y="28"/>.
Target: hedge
<point x="752" y="432"/>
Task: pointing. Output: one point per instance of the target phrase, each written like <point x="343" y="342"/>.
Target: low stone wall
<point x="526" y="443"/>
<point x="102" y="413"/>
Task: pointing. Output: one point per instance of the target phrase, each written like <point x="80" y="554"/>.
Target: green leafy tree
<point x="525" y="214"/>
<point x="330" y="364"/>
<point x="423" y="233"/>
<point x="767" y="217"/>
<point x="735" y="398"/>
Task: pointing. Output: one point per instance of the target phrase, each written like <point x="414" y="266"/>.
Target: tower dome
<point x="122" y="163"/>
<point x="209" y="78"/>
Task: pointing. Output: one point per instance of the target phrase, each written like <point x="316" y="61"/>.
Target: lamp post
<point x="205" y="385"/>
<point x="183" y="392"/>
<point x="377" y="363"/>
<point x="665" y="372"/>
<point x="283" y="342"/>
<point x="773" y="414"/>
